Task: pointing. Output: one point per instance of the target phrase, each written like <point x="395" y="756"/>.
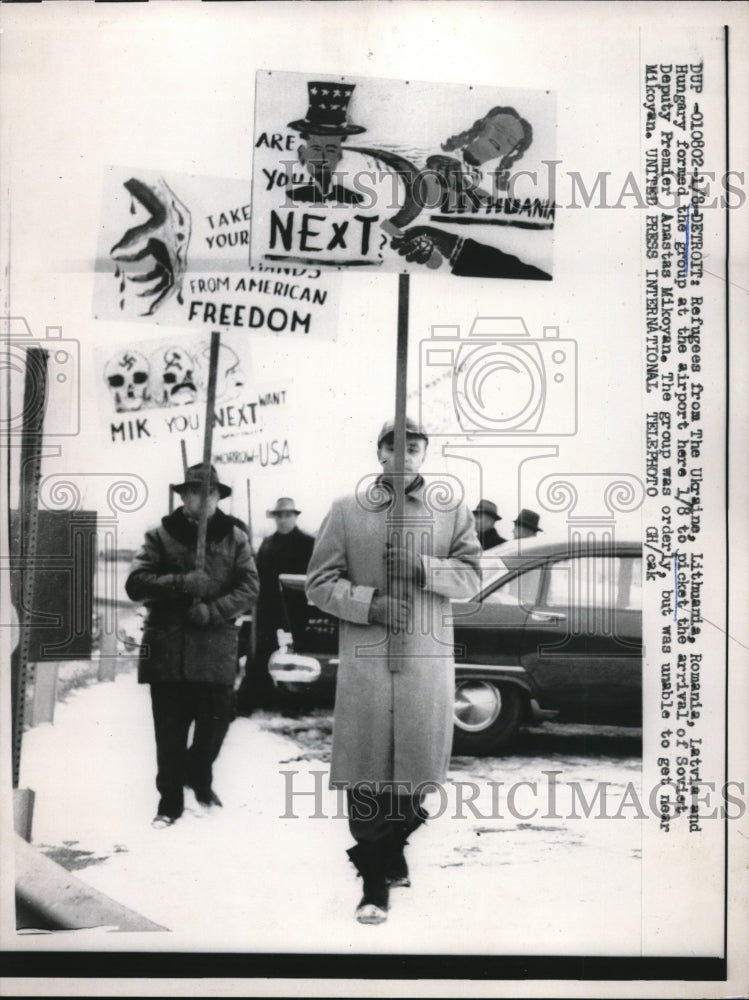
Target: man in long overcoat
<point x="189" y="649"/>
<point x="393" y="721"/>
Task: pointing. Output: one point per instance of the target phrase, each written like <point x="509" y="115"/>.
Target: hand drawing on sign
<point x="468" y="258"/>
<point x="160" y="244"/>
<point x="174" y="378"/>
<point x="128" y="374"/>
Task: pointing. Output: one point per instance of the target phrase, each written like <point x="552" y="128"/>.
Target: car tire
<point x="486" y="716"/>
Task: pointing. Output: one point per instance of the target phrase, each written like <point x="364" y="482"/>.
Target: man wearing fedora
<point x="324" y="128"/>
<point x="526" y="524"/>
<point x="486" y="515"/>
<point x="395" y="690"/>
<point x="189" y="648"/>
<point x="287" y="550"/>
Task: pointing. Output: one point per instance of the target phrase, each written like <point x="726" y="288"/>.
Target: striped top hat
<point x="328" y="109"/>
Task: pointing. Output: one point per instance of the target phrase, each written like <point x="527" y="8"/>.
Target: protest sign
<point x="400" y="175"/>
<point x="174" y="249"/>
<point x="152" y="395"/>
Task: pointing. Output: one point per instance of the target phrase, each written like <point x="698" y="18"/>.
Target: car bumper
<point x="307" y="671"/>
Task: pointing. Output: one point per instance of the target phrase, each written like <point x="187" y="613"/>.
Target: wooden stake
<point x="249" y="516"/>
<point x="401" y="378"/>
<point x="400" y="589"/>
<point x="210" y="406"/>
<point x="253" y="616"/>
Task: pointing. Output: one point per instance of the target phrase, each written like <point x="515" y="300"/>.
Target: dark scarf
<point x="412" y="487"/>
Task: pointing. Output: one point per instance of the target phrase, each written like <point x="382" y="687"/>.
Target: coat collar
<point x="413" y="490"/>
<point x="179" y="526"/>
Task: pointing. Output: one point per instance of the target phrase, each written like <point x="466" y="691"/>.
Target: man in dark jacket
<point x="189" y="649"/>
<point x="486" y="516"/>
<point x="287" y="550"/>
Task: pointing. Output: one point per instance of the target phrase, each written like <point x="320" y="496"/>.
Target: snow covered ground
<point x="268" y="873"/>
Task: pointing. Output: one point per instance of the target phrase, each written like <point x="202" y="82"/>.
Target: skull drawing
<point x="127" y="375"/>
<point x="174" y="377"/>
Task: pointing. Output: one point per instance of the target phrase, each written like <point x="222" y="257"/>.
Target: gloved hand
<point x="404" y="564"/>
<point x="199" y="614"/>
<point x="197" y="583"/>
<point x="389" y="611"/>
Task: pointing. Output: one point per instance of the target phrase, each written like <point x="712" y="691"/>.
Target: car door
<point x="583" y="644"/>
<point x="493" y="631"/>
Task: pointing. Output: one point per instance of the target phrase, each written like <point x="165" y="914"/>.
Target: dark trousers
<point x="257" y="688"/>
<point x="176" y="705"/>
<point x="374" y="816"/>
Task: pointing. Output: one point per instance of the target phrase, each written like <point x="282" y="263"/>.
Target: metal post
<point x="35" y="395"/>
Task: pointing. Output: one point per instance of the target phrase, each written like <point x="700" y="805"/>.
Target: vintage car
<point x="555" y="632"/>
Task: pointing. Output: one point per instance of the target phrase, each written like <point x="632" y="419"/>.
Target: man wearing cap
<point x="486" y="515"/>
<point x="189" y="649"/>
<point x="393" y="719"/>
<point x="287" y="550"/>
<point x="526" y="524"/>
<point x="324" y="128"/>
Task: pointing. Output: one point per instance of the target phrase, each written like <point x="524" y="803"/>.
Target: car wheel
<point x="486" y="716"/>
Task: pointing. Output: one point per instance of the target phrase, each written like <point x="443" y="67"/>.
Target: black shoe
<point x="161" y="822"/>
<point x="209" y="799"/>
<point x="243" y="706"/>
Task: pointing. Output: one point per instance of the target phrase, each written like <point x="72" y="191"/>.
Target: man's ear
<point x="300" y="151"/>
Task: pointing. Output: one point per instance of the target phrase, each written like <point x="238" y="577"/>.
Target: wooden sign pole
<point x="210" y="406"/>
<point x="253" y="623"/>
<point x="399" y="588"/>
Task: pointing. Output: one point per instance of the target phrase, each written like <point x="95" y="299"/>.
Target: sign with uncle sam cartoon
<point x="352" y="172"/>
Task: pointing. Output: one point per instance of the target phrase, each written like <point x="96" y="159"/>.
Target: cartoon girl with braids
<point x="500" y="133"/>
<point x="454" y="186"/>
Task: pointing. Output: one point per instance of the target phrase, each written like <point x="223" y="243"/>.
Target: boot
<point x="419" y="818"/>
<point x="369" y="859"/>
<point x="396" y="868"/>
